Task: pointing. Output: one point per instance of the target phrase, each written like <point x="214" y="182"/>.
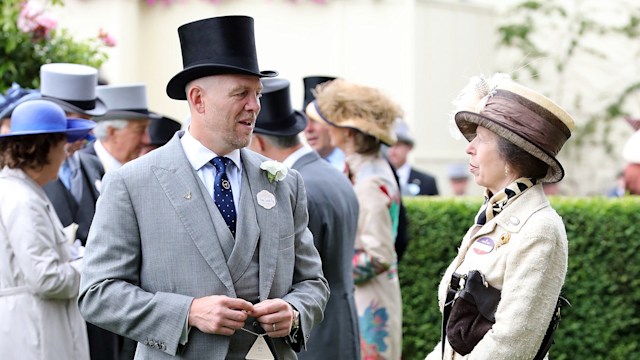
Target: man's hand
<point x="275" y="317"/>
<point x="219" y="314"/>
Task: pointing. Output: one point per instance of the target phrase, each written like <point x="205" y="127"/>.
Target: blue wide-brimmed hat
<point x="45" y="117"/>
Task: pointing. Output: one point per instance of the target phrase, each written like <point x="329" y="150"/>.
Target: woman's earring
<point x="506" y="171"/>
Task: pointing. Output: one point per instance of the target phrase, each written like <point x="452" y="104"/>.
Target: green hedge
<point x="603" y="281"/>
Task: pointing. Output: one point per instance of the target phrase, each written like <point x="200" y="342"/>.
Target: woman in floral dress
<point x="361" y="120"/>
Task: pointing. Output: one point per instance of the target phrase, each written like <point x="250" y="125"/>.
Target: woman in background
<point x="362" y="119"/>
<point x="39" y="317"/>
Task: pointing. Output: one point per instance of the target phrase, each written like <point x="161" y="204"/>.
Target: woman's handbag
<point x="472" y="312"/>
<point x="470" y="315"/>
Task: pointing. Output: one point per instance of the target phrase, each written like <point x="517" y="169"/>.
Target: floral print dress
<point x="378" y="299"/>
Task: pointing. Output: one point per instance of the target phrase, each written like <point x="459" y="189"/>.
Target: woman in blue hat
<point x="39" y="282"/>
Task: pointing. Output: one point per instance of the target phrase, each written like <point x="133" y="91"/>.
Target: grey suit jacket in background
<point x="155" y="245"/>
<point x="333" y="220"/>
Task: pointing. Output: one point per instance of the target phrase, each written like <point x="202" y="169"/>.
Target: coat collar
<point x="514" y="216"/>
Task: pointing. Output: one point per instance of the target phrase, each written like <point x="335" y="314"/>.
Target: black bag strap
<point x="452" y="290"/>
<point x="553" y="325"/>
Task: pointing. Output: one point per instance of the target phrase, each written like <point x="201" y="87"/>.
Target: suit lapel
<point x="247" y="232"/>
<point x="184" y="190"/>
<point x="266" y="218"/>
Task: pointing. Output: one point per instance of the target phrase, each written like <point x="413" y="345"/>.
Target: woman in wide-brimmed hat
<point x="518" y="243"/>
<point x="39" y="317"/>
<point x="361" y="120"/>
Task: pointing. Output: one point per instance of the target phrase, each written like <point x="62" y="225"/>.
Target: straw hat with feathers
<point x="518" y="114"/>
<point x="348" y="105"/>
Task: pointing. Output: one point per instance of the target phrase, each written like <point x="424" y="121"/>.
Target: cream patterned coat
<point x="523" y="252"/>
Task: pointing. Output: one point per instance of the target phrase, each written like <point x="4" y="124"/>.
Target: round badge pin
<point x="483" y="246"/>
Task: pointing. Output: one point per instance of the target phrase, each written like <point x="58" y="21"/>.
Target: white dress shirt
<point x="107" y="160"/>
<point x="296" y="155"/>
<point x="199" y="156"/>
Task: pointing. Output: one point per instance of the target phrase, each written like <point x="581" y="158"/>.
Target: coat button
<point x="514" y="220"/>
<point x="256" y="324"/>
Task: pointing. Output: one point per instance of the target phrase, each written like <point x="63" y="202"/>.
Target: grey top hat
<point x="72" y="87"/>
<point x="125" y="102"/>
<point x="403" y="133"/>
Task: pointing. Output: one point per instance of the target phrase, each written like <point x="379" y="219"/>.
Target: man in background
<point x="160" y="132"/>
<point x="317" y="133"/>
<point x="333" y="218"/>
<point x="122" y="132"/>
<point x="458" y="175"/>
<point x="412" y="181"/>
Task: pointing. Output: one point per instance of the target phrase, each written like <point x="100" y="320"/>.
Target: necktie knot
<point x="220" y="163"/>
<point x="223" y="194"/>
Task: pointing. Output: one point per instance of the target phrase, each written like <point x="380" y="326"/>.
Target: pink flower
<point x="33" y="19"/>
<point x="108" y="39"/>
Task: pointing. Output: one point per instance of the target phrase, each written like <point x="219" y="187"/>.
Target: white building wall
<point x="420" y="52"/>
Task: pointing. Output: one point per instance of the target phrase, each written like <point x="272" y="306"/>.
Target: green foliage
<point x="23" y="53"/>
<point x="603" y="279"/>
<point x="562" y="34"/>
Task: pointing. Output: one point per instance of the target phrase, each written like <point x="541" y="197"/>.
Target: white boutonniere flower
<point x="276" y="171"/>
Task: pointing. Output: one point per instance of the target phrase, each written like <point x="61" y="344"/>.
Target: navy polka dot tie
<point x="222" y="194"/>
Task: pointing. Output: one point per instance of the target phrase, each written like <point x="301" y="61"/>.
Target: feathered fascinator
<point x="345" y="104"/>
<point x="474" y="96"/>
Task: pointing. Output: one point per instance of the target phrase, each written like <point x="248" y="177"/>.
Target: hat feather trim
<point x="474" y="96"/>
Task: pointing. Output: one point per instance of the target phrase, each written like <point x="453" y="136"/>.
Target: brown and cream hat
<point x="344" y="104"/>
<point x="522" y="116"/>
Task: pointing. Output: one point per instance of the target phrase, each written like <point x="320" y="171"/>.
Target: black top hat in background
<point x="214" y="46"/>
<point x="162" y="130"/>
<point x="310" y="82"/>
<point x="277" y="116"/>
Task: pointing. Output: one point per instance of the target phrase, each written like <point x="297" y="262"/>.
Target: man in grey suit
<point x="198" y="260"/>
<point x="333" y="218"/>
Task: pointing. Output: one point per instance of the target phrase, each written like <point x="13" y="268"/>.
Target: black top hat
<point x="162" y="130"/>
<point x="214" y="46"/>
<point x="310" y="82"/>
<point x="276" y="116"/>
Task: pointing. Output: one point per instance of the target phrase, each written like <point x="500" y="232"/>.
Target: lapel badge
<point x="483" y="246"/>
<point x="504" y="239"/>
<point x="225" y="184"/>
<point x="266" y="199"/>
<point x="188" y="195"/>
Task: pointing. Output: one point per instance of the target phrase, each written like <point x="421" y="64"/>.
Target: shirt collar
<point x="403" y="172"/>
<point x="296" y="155"/>
<point x="108" y="161"/>
<point x="199" y="155"/>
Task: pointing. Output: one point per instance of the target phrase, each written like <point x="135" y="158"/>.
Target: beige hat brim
<point x="468" y="122"/>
